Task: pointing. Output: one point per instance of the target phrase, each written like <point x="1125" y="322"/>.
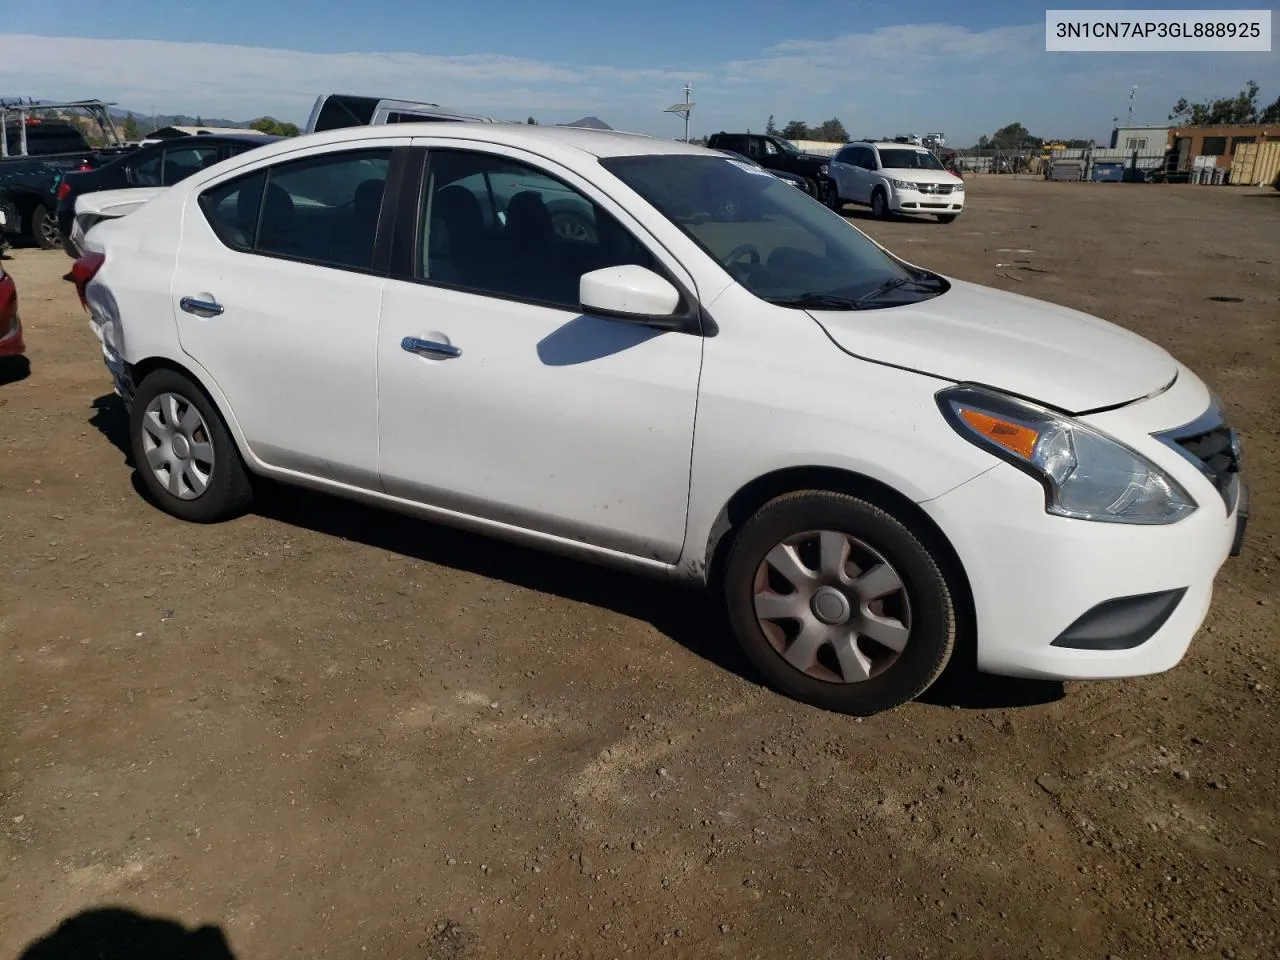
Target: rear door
<point x="277" y="291"/>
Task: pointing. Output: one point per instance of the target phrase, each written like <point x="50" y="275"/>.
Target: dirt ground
<point x="329" y="732"/>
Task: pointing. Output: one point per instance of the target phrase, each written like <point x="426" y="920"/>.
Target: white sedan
<point x="646" y="354"/>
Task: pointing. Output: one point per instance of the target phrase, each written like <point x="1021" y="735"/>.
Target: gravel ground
<point x="323" y="731"/>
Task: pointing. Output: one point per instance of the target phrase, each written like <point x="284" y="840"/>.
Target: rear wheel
<point x="184" y="453"/>
<point x="44" y="227"/>
<point x="837" y="603"/>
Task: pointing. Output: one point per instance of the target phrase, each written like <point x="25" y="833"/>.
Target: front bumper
<point x="1064" y="599"/>
<point x="913" y="201"/>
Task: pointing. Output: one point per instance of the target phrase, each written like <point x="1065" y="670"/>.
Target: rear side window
<point x="321" y="210"/>
<point x="232" y="209"/>
<point x="345" y="111"/>
<point x="183" y="162"/>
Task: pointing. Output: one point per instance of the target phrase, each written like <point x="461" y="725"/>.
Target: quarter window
<point x="322" y="209"/>
<point x="497" y="227"/>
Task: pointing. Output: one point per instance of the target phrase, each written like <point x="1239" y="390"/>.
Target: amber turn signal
<point x="1012" y="436"/>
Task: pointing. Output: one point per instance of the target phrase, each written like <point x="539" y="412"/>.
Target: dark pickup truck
<point x="37" y="153"/>
<point x="774" y="153"/>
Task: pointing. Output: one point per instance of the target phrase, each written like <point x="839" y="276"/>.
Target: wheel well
<point x="743" y="504"/>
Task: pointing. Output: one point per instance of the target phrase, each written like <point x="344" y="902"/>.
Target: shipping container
<point x="1256" y="164"/>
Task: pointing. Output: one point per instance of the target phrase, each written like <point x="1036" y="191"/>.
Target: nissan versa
<point x="651" y="355"/>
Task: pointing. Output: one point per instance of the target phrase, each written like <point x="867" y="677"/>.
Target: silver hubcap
<point x="177" y="446"/>
<point x="832" y="606"/>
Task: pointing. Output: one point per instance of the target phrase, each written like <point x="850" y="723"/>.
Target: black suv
<point x="774" y="153"/>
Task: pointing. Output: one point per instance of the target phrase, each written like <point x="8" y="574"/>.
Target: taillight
<point x="85" y="167"/>
<point x="63" y="189"/>
<point x="84" y="270"/>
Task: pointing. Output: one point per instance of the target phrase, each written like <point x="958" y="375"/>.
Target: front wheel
<point x="947" y="217"/>
<point x="838" y="604"/>
<point x="879" y="204"/>
<point x="44" y="227"/>
<point x="184" y="453"/>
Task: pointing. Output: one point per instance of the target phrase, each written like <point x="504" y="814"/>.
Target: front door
<point x="498" y="397"/>
<point x="276" y="297"/>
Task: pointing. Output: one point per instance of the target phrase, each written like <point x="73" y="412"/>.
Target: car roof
<point x="534" y="137"/>
<point x="896" y="144"/>
<point x="191" y="138"/>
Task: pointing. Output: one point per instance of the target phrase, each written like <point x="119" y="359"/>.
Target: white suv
<point x="895" y="178"/>
<point x="647" y="354"/>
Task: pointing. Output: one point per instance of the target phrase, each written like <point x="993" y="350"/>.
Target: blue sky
<point x="882" y="68"/>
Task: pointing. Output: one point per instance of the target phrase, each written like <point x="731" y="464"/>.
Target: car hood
<point x="973" y="334"/>
<point x="916" y="175"/>
<point x="115" y="203"/>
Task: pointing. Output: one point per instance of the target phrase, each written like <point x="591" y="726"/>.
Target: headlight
<point x="1085" y="474"/>
<point x="957" y="188"/>
<point x="902" y="184"/>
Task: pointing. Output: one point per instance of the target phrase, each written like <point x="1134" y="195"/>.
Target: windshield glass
<point x="773" y="239"/>
<point x="909" y="160"/>
<point x="786" y="146"/>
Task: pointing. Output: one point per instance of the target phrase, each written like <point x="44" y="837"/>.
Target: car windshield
<point x="775" y="240"/>
<point x="909" y="160"/>
<point x="786" y="146"/>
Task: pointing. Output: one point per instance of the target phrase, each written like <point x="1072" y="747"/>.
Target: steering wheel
<point x="741" y="250"/>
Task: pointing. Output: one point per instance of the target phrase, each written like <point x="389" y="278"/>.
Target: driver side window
<point x="497" y="227"/>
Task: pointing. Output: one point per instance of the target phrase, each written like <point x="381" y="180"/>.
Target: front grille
<point x="1213" y="448"/>
<point x="934" y="187"/>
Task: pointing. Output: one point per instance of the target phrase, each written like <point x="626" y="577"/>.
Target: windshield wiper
<point x="894" y="284"/>
<point x="816" y="301"/>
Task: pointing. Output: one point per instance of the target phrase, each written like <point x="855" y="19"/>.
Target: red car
<point x="11" y="344"/>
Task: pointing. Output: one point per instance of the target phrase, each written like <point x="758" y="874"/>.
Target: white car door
<point x="277" y="300"/>
<point x="498" y="397"/>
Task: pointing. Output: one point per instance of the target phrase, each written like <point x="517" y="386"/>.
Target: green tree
<point x="275" y="128"/>
<point x="831" y="131"/>
<point x="531" y="122"/>
<point x="130" y="128"/>
<point x="199" y="121"/>
<point x="795" y="130"/>
<point x="1242" y="108"/>
<point x="770" y="127"/>
<point x="1014" y="135"/>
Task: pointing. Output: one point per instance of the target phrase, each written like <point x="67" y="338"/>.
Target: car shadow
<point x="13" y="369"/>
<point x="864" y="215"/>
<point x="689" y="617"/>
<point x="116" y="933"/>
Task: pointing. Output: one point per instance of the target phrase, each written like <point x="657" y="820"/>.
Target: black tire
<point x="833" y="198"/>
<point x="814" y="188"/>
<point x="229" y="491"/>
<point x="947" y="217"/>
<point x="44" y="227"/>
<point x="932" y="616"/>
<point x="880" y="204"/>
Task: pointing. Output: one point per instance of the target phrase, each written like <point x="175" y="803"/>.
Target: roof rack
<point x="98" y="110"/>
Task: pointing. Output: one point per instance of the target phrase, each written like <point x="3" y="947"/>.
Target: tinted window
<point x="182" y="162"/>
<point x="325" y="209"/>
<point x="232" y="209"/>
<point x="400" y="117"/>
<point x="770" y="237"/>
<point x="343" y="111"/>
<point x="46" y="137"/>
<point x="867" y="158"/>
<point x="147" y="170"/>
<point x="322" y="209"/>
<point x="847" y="155"/>
<point x="497" y="227"/>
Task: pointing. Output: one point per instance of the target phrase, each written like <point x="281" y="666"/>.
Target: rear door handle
<point x="430" y="348"/>
<point x="200" y="307"/>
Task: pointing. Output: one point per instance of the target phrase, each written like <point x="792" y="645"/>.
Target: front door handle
<point x="200" y="307"/>
<point x="430" y="348"/>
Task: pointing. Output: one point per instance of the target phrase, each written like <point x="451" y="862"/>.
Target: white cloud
<point x="884" y="81"/>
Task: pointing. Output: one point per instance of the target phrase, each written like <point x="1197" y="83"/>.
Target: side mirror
<point x="631" y="293"/>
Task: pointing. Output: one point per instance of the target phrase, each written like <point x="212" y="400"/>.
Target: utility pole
<point x="1132" y="92"/>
